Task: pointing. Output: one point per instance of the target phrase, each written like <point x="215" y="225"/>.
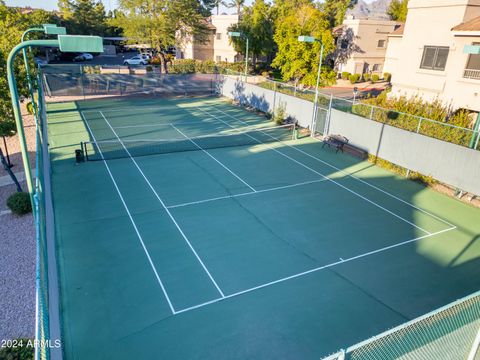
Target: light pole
<point x="66" y="43"/>
<point x="239" y="34"/>
<point x="474" y="50"/>
<point x="49" y="29"/>
<point x="311" y="39"/>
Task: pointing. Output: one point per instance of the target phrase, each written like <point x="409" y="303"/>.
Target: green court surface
<point x="269" y="250"/>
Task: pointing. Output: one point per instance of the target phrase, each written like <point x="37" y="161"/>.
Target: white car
<point x="83" y="57"/>
<point x="136" y="60"/>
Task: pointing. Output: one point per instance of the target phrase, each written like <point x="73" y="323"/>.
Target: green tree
<point x="85" y="17"/>
<point x="257" y="24"/>
<point x="238" y="4"/>
<point x="335" y="10"/>
<point x="398" y="10"/>
<point x="299" y="60"/>
<point x="163" y="23"/>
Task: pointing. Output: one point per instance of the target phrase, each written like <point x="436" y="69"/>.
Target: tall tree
<point x="335" y="10"/>
<point x="217" y="4"/>
<point x="299" y="60"/>
<point x="86" y="17"/>
<point x="398" y="10"/>
<point x="162" y="22"/>
<point x="238" y="4"/>
<point x="12" y="24"/>
<point x="257" y="24"/>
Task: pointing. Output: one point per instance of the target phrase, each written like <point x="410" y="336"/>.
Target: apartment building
<point x="427" y="56"/>
<point x="362" y="44"/>
<point x="217" y="47"/>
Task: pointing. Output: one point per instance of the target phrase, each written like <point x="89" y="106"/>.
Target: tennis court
<point x="199" y="230"/>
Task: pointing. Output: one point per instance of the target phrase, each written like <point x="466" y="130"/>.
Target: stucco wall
<point x="449" y="163"/>
<point x="452" y="164"/>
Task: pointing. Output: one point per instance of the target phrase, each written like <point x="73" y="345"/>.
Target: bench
<point x="341" y="143"/>
<point x="336" y="141"/>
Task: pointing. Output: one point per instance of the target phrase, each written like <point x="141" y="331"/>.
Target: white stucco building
<point x="217" y="47"/>
<point x="426" y="57"/>
<point x="367" y="41"/>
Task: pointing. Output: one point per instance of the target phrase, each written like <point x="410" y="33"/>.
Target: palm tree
<point x="238" y="4"/>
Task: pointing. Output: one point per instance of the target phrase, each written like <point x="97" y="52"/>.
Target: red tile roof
<point x="472" y="25"/>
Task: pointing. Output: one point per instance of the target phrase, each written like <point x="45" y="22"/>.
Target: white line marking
<point x="157" y="125"/>
<point x="166" y="209"/>
<point x="5" y="212"/>
<point x="320" y="174"/>
<point x="131" y="220"/>
<point x="245" y="194"/>
<point x="312" y="271"/>
<point x="214" y="158"/>
<point x="355" y="177"/>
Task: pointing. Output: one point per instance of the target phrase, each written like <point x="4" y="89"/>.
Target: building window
<point x="376" y="68"/>
<point x="381" y="43"/>
<point x="472" y="70"/>
<point x="434" y="57"/>
<point x="219" y="36"/>
<point x="218" y="58"/>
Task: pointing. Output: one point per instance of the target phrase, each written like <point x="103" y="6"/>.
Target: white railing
<point x="471" y="74"/>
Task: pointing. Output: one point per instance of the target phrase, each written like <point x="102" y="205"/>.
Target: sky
<point x="52" y="4"/>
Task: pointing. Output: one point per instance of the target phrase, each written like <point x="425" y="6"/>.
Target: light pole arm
<point x="31" y="30"/>
<point x="12" y="84"/>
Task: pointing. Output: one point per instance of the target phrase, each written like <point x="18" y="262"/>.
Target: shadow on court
<point x="278" y="250"/>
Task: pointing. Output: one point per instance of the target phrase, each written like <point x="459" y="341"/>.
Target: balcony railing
<point x="471" y="74"/>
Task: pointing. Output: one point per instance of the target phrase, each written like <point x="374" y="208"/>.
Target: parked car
<point x="83" y="57"/>
<point x="136" y="60"/>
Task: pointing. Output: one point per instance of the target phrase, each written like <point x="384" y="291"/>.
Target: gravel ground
<point x="17" y="272"/>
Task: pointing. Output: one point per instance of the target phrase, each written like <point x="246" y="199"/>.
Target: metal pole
<point x="475" y="346"/>
<point x="315" y="103"/>
<point x="12" y="84"/>
<point x="476" y="133"/>
<point x="27" y="69"/>
<point x="246" y="61"/>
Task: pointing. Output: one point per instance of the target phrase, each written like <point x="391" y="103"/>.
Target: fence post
<point x="475" y="346"/>
<point x="371" y="112"/>
<point x="419" y="124"/>
<point x="81" y="81"/>
<point x="274" y="97"/>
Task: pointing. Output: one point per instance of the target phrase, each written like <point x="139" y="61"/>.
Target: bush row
<point x="354" y="78"/>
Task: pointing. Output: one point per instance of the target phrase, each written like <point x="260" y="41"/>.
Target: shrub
<point x="387" y="77"/>
<point x="366" y="77"/>
<point x="149" y="68"/>
<point x="346" y="75"/>
<point x="375" y="78"/>
<point x="280" y="114"/>
<point x="354" y="78"/>
<point x="30" y="108"/>
<point x="19" y="203"/>
<point x="23" y="350"/>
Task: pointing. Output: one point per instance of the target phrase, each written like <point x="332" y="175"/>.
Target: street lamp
<point x="66" y="43"/>
<point x="239" y="34"/>
<point x="474" y="50"/>
<point x="311" y="39"/>
<point x="49" y="29"/>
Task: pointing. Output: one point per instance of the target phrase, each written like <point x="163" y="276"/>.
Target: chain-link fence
<point x="449" y="333"/>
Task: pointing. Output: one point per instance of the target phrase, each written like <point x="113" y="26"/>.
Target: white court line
<point x="312" y="270"/>
<point x="355" y="177"/>
<point x="214" y="158"/>
<point x="322" y="175"/>
<point x="131" y="220"/>
<point x="166" y="209"/>
<point x="245" y="194"/>
<point x="158" y="125"/>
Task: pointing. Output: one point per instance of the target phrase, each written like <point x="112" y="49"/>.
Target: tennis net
<point x="119" y="148"/>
